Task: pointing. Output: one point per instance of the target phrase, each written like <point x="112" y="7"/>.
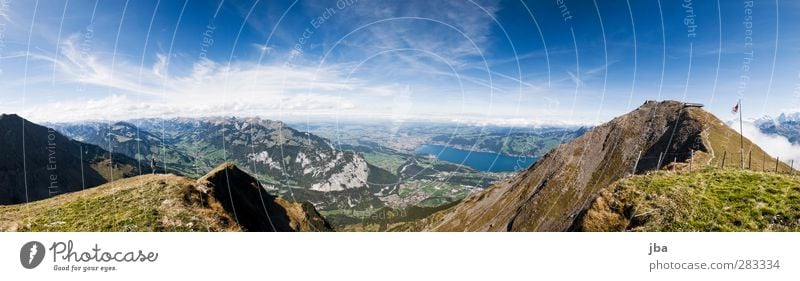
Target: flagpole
<point x="741" y="134"/>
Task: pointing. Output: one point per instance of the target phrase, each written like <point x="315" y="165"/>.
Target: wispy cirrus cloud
<point x="209" y="88"/>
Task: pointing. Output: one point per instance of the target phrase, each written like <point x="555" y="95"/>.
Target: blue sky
<point x="500" y="62"/>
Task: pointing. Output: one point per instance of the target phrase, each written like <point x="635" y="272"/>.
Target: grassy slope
<point x="144" y="203"/>
<point x="709" y="200"/>
<point x="721" y="139"/>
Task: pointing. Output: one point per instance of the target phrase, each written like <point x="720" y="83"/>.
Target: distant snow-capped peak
<point x="792" y="117"/>
<point x="782" y="118"/>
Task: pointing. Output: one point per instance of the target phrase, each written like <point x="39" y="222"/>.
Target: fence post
<point x="691" y="159"/>
<point x="724" y="155"/>
<point x="777" y="160"/>
<point x="764" y="163"/>
<point x="741" y="158"/>
<point x="636" y="166"/>
<point x="750" y="160"/>
<point x="791" y="168"/>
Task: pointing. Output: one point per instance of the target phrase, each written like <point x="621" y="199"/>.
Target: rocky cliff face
<point x="558" y="189"/>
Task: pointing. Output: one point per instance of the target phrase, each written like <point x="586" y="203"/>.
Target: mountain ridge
<point x="551" y="194"/>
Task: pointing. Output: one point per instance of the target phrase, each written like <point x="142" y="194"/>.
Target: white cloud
<point x="526" y="122"/>
<point x="575" y="78"/>
<point x="119" y="89"/>
<point x="263" y="50"/>
<point x="775" y="145"/>
<point x="124" y="107"/>
<point x="210" y="88"/>
<point x="160" y="67"/>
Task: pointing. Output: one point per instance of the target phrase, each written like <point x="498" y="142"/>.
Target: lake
<point x="482" y="161"/>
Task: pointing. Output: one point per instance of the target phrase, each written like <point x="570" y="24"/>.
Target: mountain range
<point x="128" y="139"/>
<point x="37" y="162"/>
<point x="787" y="125"/>
<point x="274" y="153"/>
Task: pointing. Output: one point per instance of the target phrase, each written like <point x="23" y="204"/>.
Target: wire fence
<point x="689" y="161"/>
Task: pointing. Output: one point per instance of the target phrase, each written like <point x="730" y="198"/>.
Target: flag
<point x="736" y="108"/>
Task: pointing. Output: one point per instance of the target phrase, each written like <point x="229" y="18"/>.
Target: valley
<point x="349" y="173"/>
<point x="422" y="181"/>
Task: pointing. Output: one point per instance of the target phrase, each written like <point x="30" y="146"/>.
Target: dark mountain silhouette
<point x="253" y="208"/>
<point x="37" y="162"/>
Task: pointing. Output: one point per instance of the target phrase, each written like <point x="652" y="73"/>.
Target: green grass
<point x="348" y="212"/>
<point x="388" y="162"/>
<point x="145" y="203"/>
<point x="726" y="143"/>
<point x="433" y="189"/>
<point x="712" y="200"/>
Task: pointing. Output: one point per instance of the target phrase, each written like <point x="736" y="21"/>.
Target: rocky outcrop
<point x="243" y="197"/>
<point x="352" y="173"/>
